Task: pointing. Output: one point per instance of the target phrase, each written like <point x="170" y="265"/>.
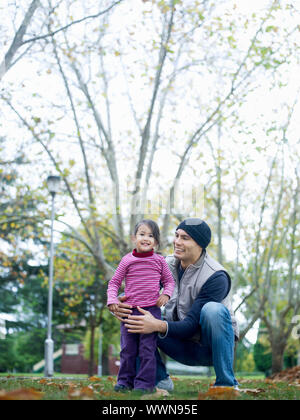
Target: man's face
<point x="185" y="248"/>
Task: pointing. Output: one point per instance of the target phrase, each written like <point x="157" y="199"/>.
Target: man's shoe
<point x="122" y="388"/>
<point x="166" y="384"/>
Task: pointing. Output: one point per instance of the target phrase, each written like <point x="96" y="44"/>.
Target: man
<point x="198" y="327"/>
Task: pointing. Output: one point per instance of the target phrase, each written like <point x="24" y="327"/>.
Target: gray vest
<point x="186" y="291"/>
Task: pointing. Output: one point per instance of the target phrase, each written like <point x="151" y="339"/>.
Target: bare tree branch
<point x="18" y="39"/>
<point x="75" y="22"/>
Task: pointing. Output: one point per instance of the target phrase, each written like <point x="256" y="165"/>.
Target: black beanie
<point x="198" y="230"/>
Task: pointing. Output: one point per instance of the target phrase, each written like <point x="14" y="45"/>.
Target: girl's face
<point x="144" y="239"/>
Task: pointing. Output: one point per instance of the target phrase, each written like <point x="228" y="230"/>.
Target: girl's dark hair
<point x="151" y="225"/>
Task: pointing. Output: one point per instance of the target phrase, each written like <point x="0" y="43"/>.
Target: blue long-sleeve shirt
<point x="215" y="289"/>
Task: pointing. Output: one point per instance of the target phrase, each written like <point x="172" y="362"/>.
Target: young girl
<point x="143" y="271"/>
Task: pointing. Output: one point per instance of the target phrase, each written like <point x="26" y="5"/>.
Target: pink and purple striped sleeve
<point x="116" y="282"/>
<point x="167" y="279"/>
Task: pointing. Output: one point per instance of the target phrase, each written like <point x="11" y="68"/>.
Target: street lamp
<point x="53" y="186"/>
<point x="100" y="351"/>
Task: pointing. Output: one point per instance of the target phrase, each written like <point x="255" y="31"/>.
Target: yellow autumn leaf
<point x="219" y="393"/>
<point x="21" y="394"/>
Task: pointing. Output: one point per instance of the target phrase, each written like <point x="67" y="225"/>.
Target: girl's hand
<point x="113" y="307"/>
<point x="162" y="300"/>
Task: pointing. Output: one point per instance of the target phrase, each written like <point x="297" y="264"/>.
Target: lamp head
<point x="53" y="182"/>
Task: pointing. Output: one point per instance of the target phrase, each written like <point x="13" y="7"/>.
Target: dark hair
<point x="151" y="225"/>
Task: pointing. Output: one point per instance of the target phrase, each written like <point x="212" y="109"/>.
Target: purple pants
<point x="144" y="346"/>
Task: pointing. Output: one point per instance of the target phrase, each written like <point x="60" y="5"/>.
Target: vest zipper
<point x="178" y="294"/>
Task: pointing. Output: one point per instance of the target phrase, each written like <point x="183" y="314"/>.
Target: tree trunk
<point x="277" y="357"/>
<point x="92" y="355"/>
<point x="219" y="197"/>
<point x="105" y="364"/>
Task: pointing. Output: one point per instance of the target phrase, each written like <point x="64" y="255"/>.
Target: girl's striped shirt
<point x="143" y="273"/>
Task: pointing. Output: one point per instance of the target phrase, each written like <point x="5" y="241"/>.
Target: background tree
<point x="82" y="289"/>
<point x="21" y="209"/>
<point x="262" y="353"/>
<point x="271" y="286"/>
<point x="284" y="296"/>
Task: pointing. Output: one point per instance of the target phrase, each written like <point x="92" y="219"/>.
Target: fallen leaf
<point x="21" y="394"/>
<point x="159" y="393"/>
<point x="71" y="384"/>
<point x="107" y="393"/>
<point x="252" y="390"/>
<point x="219" y="393"/>
<point x="98" y="386"/>
<point x="95" y="379"/>
<point x="87" y="392"/>
<point x="269" y="381"/>
<point x="73" y="393"/>
<point x="84" y="393"/>
<point x="287" y="375"/>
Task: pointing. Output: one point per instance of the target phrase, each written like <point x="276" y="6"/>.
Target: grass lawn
<point x="79" y="387"/>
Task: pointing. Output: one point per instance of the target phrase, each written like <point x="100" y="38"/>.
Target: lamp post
<point x="53" y="186"/>
<point x="100" y="352"/>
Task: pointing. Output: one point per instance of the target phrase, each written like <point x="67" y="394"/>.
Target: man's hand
<point x="145" y="323"/>
<point x="162" y="300"/>
<point x="122" y="309"/>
